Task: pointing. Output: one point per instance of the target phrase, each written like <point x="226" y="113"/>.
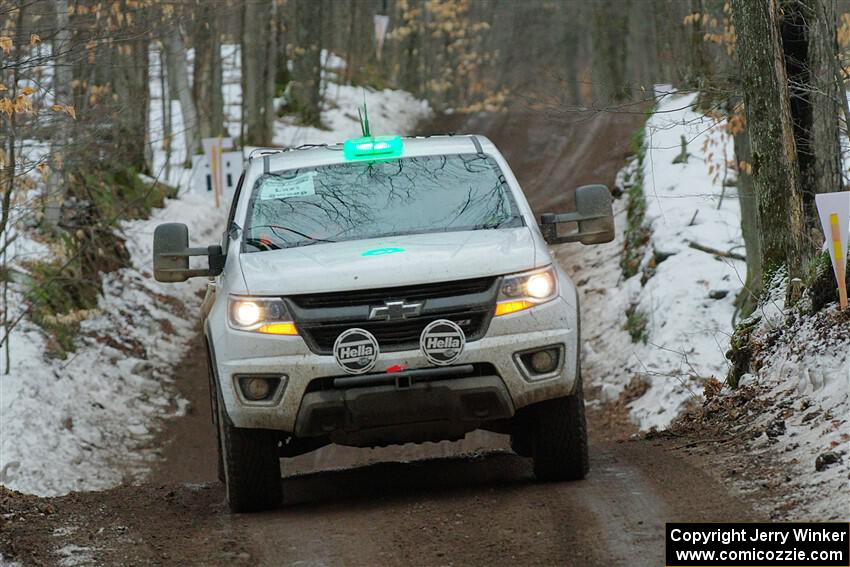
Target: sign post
<point x="213" y="148"/>
<point x="834" y="212"/>
<point x="381" y="22"/>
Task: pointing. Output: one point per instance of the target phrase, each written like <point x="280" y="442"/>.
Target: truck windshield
<point x="359" y="200"/>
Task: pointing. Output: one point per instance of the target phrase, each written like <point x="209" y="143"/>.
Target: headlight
<point x="540" y="286"/>
<point x="521" y="291"/>
<point x="267" y="315"/>
<point x="246" y="313"/>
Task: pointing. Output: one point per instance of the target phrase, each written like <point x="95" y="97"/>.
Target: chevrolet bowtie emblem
<point x="393" y="310"/>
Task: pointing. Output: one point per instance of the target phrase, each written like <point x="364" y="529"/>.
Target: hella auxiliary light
<point x="372" y="147"/>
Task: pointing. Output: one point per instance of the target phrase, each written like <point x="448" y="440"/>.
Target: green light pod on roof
<point x="369" y="147"/>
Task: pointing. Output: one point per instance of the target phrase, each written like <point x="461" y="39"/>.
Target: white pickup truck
<point x="388" y="290"/>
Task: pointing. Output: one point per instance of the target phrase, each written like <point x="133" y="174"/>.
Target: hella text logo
<point x="356" y="351"/>
<point x="442" y="342"/>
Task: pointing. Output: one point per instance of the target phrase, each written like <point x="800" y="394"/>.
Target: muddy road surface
<point x="468" y="503"/>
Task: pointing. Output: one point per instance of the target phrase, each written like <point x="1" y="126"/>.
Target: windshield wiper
<point x="262" y="244"/>
<point x="292" y="230"/>
<point x="492" y="224"/>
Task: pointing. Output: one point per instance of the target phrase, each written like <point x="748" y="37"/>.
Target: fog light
<point x="258" y="388"/>
<point x="544" y="361"/>
<point x="541" y="363"/>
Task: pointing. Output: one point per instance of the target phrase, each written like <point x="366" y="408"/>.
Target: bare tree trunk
<point x="207" y="80"/>
<point x="663" y="47"/>
<point x="796" y="46"/>
<point x="165" y="100"/>
<point x="178" y="77"/>
<point x="251" y="74"/>
<point x="129" y="72"/>
<point x="349" y="43"/>
<point x="809" y="41"/>
<point x="410" y="50"/>
<point x="308" y="67"/>
<point x="9" y="188"/>
<point x="748" y="297"/>
<point x="282" y="77"/>
<point x="64" y="96"/>
<point x="826" y="100"/>
<point x="775" y="169"/>
<point x="258" y="71"/>
<point x="571" y="64"/>
<point x="270" y="76"/>
<point x="610" y="37"/>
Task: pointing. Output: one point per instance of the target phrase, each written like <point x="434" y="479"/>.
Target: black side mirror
<point x="171" y="254"/>
<point x="594" y="216"/>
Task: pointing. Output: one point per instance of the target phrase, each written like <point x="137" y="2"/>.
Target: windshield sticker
<point x="280" y="188"/>
<point x="382" y="251"/>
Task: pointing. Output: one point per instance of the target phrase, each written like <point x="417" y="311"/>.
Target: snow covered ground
<point x="686" y="329"/>
<point x="794" y="428"/>
<point x="88" y="422"/>
<point x="803" y="379"/>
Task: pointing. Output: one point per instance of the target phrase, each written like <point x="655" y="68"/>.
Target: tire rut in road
<point x="465" y="509"/>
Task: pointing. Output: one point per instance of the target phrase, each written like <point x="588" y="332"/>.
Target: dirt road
<point x="467" y="503"/>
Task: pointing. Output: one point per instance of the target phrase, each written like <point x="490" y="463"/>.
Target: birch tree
<point x="63" y="96"/>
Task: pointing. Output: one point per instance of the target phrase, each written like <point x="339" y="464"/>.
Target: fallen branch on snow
<point x="715" y="251"/>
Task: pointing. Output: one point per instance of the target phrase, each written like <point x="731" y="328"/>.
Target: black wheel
<point x="251" y="466"/>
<point x="521" y="433"/>
<point x="214" y="410"/>
<point x="559" y="438"/>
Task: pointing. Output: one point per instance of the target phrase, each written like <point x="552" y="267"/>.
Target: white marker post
<point x="213" y="148"/>
<point x="834" y="212"/>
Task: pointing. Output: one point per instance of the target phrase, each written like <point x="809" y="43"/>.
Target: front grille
<point x="378" y="296"/>
<point x="395" y="335"/>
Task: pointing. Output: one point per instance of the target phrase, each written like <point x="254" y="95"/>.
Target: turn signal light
<point x="278" y="329"/>
<point x="506" y="307"/>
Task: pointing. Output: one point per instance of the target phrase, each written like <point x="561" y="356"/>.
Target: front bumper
<point x="553" y="323"/>
<point x="383" y="415"/>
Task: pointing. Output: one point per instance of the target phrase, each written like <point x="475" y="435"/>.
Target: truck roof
<point x="272" y="159"/>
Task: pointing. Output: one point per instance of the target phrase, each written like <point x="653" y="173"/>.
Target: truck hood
<point x="389" y="262"/>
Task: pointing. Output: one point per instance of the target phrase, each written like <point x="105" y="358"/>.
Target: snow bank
<point x="89" y="422"/>
<point x="803" y="380"/>
<point x="7" y="563"/>
<point x="797" y="432"/>
<point x="684" y="295"/>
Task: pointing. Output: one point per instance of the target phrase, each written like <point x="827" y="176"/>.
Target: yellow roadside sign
<point x="834" y="212"/>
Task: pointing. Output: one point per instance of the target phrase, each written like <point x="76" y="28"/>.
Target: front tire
<point x="251" y="466"/>
<point x="215" y="414"/>
<point x="559" y="438"/>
